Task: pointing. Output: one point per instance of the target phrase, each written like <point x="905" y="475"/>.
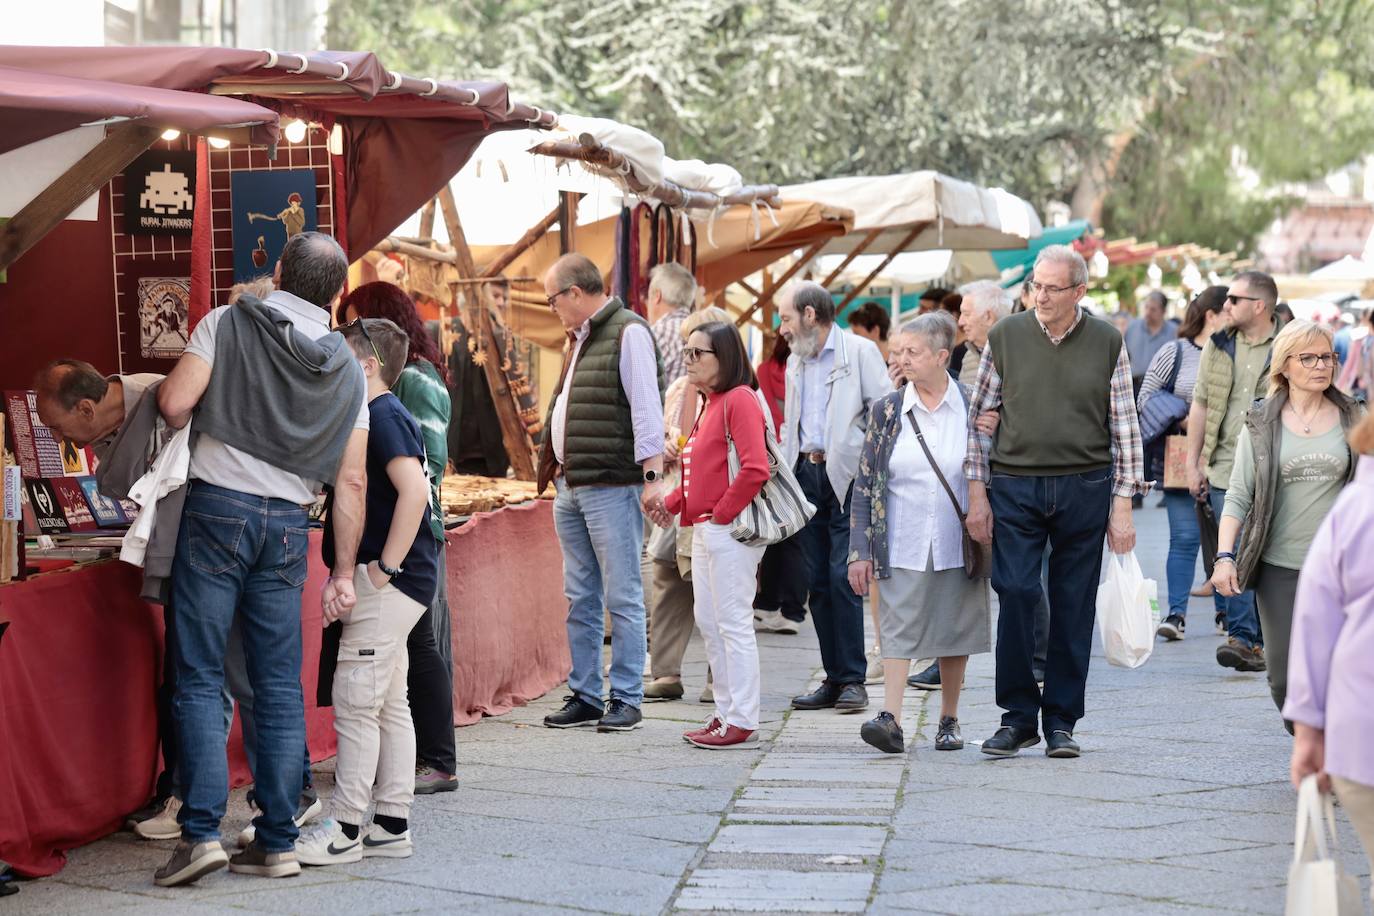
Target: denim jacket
<point x="868" y="539"/>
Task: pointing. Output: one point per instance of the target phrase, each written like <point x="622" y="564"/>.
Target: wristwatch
<point x="388" y="571"/>
<point x="650" y="476"/>
<point x="1226" y="555"/>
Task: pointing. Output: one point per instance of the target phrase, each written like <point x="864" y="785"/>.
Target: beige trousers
<point x="671" y="620"/>
<point x="1358" y="801"/>
<point x="376" y="761"/>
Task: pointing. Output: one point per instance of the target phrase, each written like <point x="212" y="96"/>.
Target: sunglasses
<point x="692" y="354"/>
<point x="1233" y="299"/>
<point x="362" y="326"/>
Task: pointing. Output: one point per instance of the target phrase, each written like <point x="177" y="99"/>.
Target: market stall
<point x="139" y="185"/>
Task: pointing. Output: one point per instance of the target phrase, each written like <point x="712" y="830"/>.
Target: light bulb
<point x="336" y="141"/>
<point x="171" y="133"/>
<point x="295" y="131"/>
<point x="219" y="142"/>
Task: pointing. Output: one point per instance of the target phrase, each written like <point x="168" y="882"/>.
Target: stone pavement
<point x="1180" y="803"/>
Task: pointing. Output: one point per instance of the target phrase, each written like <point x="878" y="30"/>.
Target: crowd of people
<point x="982" y="446"/>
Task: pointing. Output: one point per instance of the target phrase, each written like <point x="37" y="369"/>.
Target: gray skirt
<point x="934" y="614"/>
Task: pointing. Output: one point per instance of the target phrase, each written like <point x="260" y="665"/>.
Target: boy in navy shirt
<point x="394" y="582"/>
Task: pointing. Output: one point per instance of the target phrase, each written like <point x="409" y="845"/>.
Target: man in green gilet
<point x="603" y="449"/>
<point x="1065" y="463"/>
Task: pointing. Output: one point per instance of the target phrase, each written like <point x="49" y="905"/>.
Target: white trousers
<point x="723" y="586"/>
<point x="376" y="761"/>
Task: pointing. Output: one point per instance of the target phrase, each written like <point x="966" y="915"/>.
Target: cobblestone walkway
<point x="1180" y="803"/>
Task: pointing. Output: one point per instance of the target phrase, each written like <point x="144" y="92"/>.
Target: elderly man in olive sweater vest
<point x="1066" y="462"/>
<point x="603" y="449"/>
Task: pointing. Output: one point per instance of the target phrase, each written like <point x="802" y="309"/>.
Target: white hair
<point x="1063" y="254"/>
<point x="987" y="296"/>
<point x="936" y="328"/>
<point x="675" y="283"/>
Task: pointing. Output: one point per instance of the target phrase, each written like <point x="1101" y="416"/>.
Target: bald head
<point x="77" y="402"/>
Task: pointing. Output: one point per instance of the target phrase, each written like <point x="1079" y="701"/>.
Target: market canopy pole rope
<point x="674" y="195"/>
<point x="513" y="432"/>
<point x="121" y="146"/>
<point x="897" y="249"/>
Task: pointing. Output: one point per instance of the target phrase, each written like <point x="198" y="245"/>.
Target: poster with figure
<point x="159" y="189"/>
<point x="268" y="208"/>
<point x="163" y="316"/>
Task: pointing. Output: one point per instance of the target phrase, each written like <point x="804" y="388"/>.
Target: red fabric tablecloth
<point x="80" y="663"/>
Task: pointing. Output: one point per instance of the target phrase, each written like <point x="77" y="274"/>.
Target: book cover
<point x="72" y="500"/>
<point x="38" y="449"/>
<point x="47" y="510"/>
<point x="107" y="512"/>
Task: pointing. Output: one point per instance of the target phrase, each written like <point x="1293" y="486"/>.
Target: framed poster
<point x="268" y="208"/>
<point x="158" y="193"/>
<point x="154" y="313"/>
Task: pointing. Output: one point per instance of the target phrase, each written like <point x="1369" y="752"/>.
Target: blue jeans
<point x="1070" y="513"/>
<point x="1242" y="620"/>
<point x="601" y="531"/>
<point x="836" y="611"/>
<point x="1185" y="539"/>
<point x="238" y="690"/>
<point x="240" y="555"/>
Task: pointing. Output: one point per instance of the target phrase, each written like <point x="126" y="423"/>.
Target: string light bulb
<point x="219" y="142"/>
<point x="295" y="131"/>
<point x="171" y="133"/>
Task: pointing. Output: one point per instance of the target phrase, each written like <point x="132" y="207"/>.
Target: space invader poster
<point x="159" y="193"/>
<point x="269" y="208"/>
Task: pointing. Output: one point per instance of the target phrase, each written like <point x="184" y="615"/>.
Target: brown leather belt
<point x="814" y="457"/>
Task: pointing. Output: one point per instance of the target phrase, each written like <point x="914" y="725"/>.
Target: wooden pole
<point x="525" y="242"/>
<point x="411" y="250"/>
<point x="427" y="220"/>
<point x="858" y="250"/>
<point x="513" y="432"/>
<point x="898" y="249"/>
<point x="771" y="289"/>
<point x="122" y="145"/>
<point x="567" y="221"/>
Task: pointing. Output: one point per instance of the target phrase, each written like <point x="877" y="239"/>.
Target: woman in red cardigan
<point x="723" y="569"/>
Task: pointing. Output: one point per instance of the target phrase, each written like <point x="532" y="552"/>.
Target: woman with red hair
<point x="423" y="390"/>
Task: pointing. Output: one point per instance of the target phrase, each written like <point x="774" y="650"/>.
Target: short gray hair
<point x="313" y="267"/>
<point x="578" y="270"/>
<point x="936" y="328"/>
<point x="987" y="296"/>
<point x="809" y="295"/>
<point x="675" y="283"/>
<point x="1063" y="254"/>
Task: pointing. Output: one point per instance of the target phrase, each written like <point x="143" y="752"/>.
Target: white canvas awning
<point x="942" y="212"/>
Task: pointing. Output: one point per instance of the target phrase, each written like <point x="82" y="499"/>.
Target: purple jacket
<point x="1330" y="675"/>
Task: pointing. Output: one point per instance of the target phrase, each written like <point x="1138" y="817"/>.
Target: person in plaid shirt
<point x="1066" y="460"/>
<point x="672" y="294"/>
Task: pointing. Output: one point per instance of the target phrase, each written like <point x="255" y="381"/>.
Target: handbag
<point x="977" y="557"/>
<point x="1176" y="462"/>
<point x="780" y="509"/>
<point x="1164" y="408"/>
<point x="1316" y="882"/>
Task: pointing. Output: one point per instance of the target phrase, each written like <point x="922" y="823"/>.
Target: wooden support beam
<point x="858" y="250"/>
<point x="122" y="145"/>
<point x="427" y="219"/>
<point x="567" y="221"/>
<point x="411" y="250"/>
<point x="896" y="250"/>
<point x="771" y="289"/>
<point x="513" y="432"/>
<point x="522" y="245"/>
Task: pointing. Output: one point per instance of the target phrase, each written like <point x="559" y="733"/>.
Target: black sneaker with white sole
<point x="1172" y="628"/>
<point x="620" y="717"/>
<point x="575" y="712"/>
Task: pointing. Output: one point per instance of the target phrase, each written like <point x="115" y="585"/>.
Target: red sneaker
<point x="711" y="725"/>
<point x="725" y="738"/>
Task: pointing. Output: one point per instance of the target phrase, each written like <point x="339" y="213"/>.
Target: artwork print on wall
<point x="268" y="208"/>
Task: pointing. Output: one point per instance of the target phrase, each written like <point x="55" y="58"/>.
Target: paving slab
<point x="757" y="891"/>
<point x="807" y="840"/>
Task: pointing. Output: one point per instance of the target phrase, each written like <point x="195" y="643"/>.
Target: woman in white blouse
<point x="905" y="529"/>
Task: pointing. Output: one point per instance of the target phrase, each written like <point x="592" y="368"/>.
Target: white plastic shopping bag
<point x="1124" y="612"/>
<point x="1316" y="884"/>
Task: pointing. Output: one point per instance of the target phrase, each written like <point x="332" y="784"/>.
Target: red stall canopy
<point x="395" y="125"/>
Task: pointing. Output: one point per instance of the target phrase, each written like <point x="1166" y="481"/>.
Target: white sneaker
<point x="164" y="826"/>
<point x="304" y="816"/>
<point x="875" y="666"/>
<point x="378" y="842"/>
<point x="327" y="845"/>
<point x="773" y="622"/>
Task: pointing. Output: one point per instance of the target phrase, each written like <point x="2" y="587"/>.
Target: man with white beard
<point x="832" y="378"/>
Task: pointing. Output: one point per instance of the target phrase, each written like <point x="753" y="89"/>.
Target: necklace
<point x="1305" y="421"/>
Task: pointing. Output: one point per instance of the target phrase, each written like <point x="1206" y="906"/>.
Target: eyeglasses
<point x="692" y="354"/>
<point x="1311" y="360"/>
<point x="362" y="326"/>
<point x="554" y="298"/>
<point x="1233" y="299"/>
<point x="1038" y="288"/>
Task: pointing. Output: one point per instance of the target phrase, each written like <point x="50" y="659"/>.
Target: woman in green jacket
<point x="1292" y="460"/>
<point x="423" y="390"/>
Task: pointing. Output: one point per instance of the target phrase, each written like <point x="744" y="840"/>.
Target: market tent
<point x="1014" y="263"/>
<point x="35" y="106"/>
<point x="393" y="125"/>
<point x="1347" y="268"/>
<point x="919" y="211"/>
